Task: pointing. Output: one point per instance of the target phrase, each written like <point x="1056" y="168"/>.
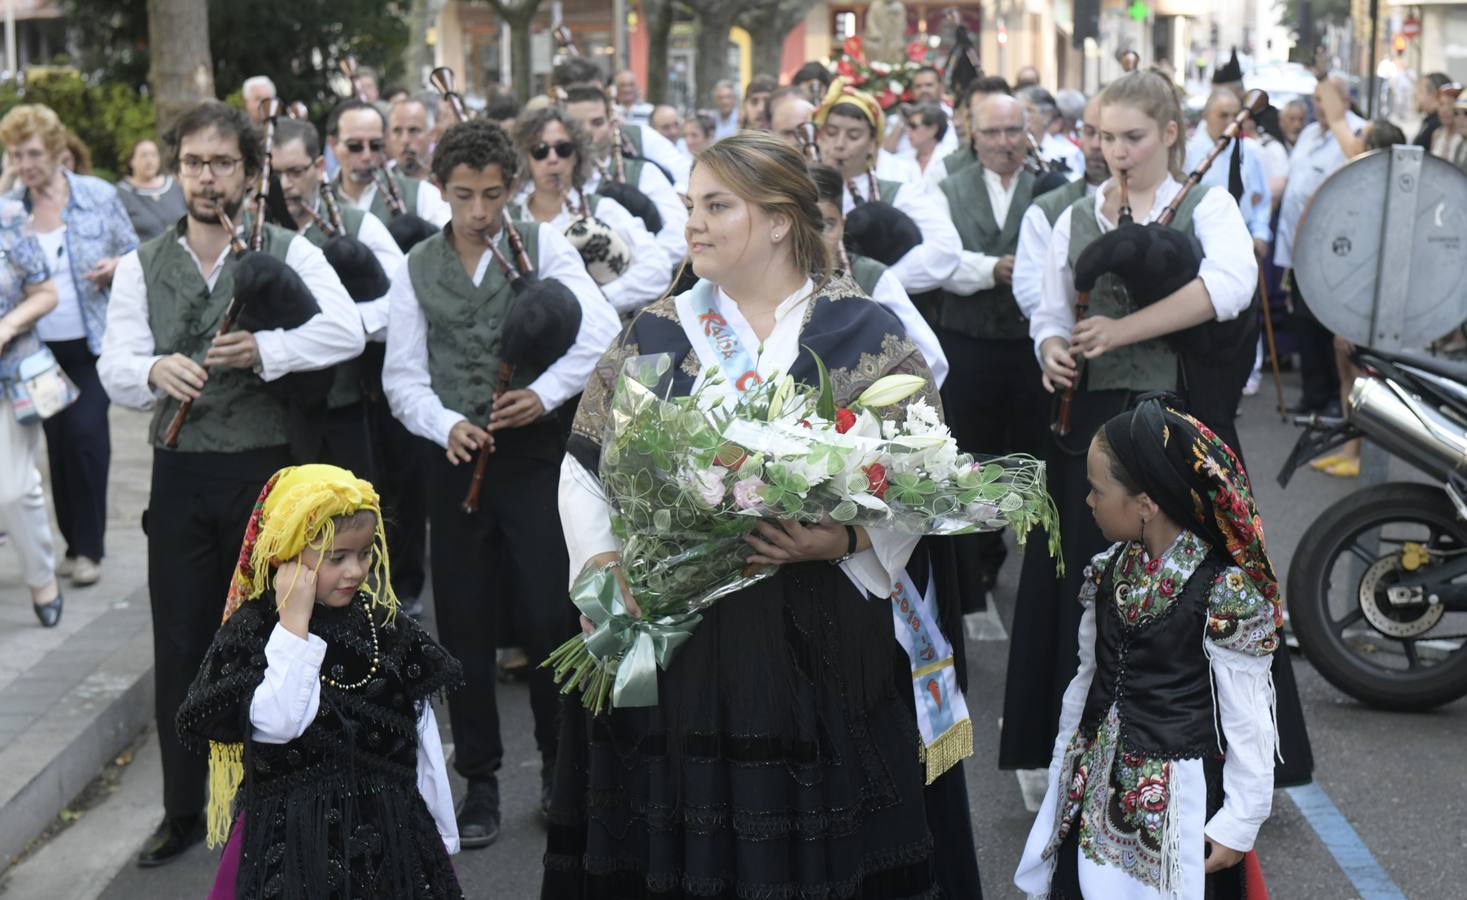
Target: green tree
<point x="518" y="14"/>
<point x="295" y="42"/>
<point x="768" y="22"/>
<point x="660" y="15"/>
<point x="108" y="117"/>
<point x="1306" y="16"/>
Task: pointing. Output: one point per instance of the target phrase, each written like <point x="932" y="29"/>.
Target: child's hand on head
<point x="295" y="595"/>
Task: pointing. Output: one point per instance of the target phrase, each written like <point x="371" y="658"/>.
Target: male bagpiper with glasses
<point x="159" y="350"/>
<point x="993" y="396"/>
<point x="344" y="437"/>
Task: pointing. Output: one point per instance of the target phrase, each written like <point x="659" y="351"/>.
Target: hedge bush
<point x="108" y="116"/>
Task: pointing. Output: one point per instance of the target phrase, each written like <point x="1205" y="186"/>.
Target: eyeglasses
<point x="563" y="149"/>
<point x="915" y="123"/>
<point x="374" y="145"/>
<point x="1012" y="131"/>
<point x="222" y="166"/>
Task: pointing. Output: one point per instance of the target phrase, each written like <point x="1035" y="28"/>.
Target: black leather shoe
<point x="478" y="819"/>
<point x="49" y="613"/>
<point x="171" y="839"/>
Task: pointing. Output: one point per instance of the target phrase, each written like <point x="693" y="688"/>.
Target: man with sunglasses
<point x="159" y="350"/>
<point x="358" y="136"/>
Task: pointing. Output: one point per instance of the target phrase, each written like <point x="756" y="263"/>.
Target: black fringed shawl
<point x="335" y="812"/>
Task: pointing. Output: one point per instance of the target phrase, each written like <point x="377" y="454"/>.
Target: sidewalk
<point x="73" y="696"/>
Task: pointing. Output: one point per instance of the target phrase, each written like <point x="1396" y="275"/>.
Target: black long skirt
<point x="1044" y="647"/>
<point x="781" y="761"/>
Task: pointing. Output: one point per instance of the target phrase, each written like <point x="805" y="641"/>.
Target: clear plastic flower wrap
<point x="688" y="477"/>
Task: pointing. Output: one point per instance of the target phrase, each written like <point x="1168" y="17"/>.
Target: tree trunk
<point x="659" y="14"/>
<point x="767" y="36"/>
<point x="415" y="56"/>
<point x="182" y="71"/>
<point x="519" y="55"/>
<point x="712" y="49"/>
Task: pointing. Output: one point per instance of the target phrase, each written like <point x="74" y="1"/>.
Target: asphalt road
<point x="1395" y="777"/>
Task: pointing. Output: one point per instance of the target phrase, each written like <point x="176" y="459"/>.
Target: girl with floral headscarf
<point x="326" y="772"/>
<point x="1162" y="772"/>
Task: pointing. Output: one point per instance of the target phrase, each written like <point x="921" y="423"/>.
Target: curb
<point x="99" y="709"/>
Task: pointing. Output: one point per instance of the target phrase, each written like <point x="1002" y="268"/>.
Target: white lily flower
<point x="890" y="389"/>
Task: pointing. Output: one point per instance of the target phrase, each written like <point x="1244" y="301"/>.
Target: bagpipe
<point x="268" y="295"/>
<point x="407" y="228"/>
<point x="1048" y="175"/>
<point x="1154" y="261"/>
<point x="614" y="179"/>
<point x="545" y="318"/>
<point x="605" y="254"/>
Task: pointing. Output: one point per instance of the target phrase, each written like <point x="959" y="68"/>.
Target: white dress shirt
<point x="1032" y="255"/>
<point x="672" y="238"/>
<point x="586" y="517"/>
<point x="390" y="256"/>
<point x="1317" y="154"/>
<point x="286" y="702"/>
<point x="888" y="291"/>
<point x="1057" y="146"/>
<point x="926" y="265"/>
<point x="723" y="126"/>
<point x="331" y="336"/>
<point x="1256" y="203"/>
<point x="650" y="272"/>
<point x="430" y="204"/>
<point x="405" y="377"/>
<point x="975" y="270"/>
<point x="1229" y="269"/>
<point x="901" y="169"/>
<point x="660" y="150"/>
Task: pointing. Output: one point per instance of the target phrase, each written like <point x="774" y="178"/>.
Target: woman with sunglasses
<point x="558" y="158"/>
<point x="926" y="129"/>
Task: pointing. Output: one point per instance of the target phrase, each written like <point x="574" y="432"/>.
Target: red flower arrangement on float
<point x="889" y="83"/>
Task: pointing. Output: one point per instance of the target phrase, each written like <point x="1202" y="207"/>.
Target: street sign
<point x="1381" y="252"/>
<point x="1411" y="28"/>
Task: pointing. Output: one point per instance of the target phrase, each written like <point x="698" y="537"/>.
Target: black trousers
<point x="79" y="450"/>
<point x="195" y="524"/>
<point x="995" y="403"/>
<point x="397" y="464"/>
<point x="1317" y="370"/>
<point x="511" y="552"/>
<point x="346" y="442"/>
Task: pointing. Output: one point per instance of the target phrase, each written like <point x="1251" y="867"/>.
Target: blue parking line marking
<point x="1344" y="844"/>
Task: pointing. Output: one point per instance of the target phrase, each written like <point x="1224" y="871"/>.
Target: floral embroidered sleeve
<point x="1090" y="583"/>
<point x="1239" y="618"/>
<point x="1241" y="638"/>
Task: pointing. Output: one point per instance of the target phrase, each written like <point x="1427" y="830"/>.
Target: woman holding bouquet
<point x="1122" y="347"/>
<point x="778" y="760"/>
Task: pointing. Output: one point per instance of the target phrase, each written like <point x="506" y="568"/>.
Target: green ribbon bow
<point x="636" y="647"/>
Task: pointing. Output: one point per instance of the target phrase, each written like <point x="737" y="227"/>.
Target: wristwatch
<point x="850" y="546"/>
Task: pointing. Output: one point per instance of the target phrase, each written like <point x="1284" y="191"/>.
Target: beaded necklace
<point x="371" y="671"/>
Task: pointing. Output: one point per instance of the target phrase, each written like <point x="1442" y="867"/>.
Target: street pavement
<point x="1392" y="777"/>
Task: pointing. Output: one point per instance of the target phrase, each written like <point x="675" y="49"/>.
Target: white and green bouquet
<point x="688" y="477"/>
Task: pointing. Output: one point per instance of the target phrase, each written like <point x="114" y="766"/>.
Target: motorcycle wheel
<point x="1398" y="657"/>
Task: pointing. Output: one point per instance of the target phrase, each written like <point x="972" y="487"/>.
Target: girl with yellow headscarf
<point x="326" y="773"/>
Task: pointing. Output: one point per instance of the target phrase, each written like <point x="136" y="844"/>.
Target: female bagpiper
<point x="780" y="760"/>
<point x="1163" y="770"/>
<point x="1118" y="351"/>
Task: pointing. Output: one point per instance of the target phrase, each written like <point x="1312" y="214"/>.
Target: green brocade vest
<point x="992" y="314"/>
<point x="887" y="190"/>
<point x="866" y="272"/>
<point x="1054" y="202"/>
<point x="959" y="159"/>
<point x="236" y="411"/>
<point x="346" y="387"/>
<point x="380" y="208"/>
<point x="1147" y="366"/>
<point x="465" y="322"/>
<point x="634" y="137"/>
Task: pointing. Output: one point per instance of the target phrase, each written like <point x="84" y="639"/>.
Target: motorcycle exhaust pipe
<point x="1408" y="427"/>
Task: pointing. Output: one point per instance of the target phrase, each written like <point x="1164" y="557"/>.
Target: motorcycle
<point x="1377" y="591"/>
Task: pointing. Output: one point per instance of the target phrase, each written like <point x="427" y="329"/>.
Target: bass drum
<point x="605" y="254"/>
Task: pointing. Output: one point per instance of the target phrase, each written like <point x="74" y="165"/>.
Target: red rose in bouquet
<point x="876" y="480"/>
<point x="845" y="420"/>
